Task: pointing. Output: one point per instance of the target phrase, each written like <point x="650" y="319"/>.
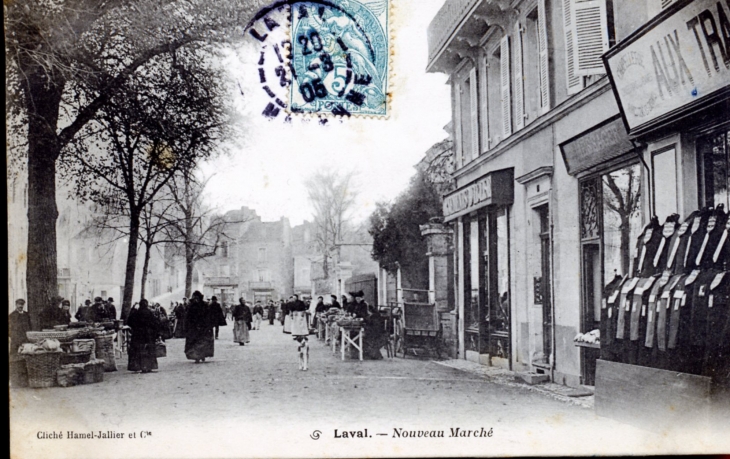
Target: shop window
<point x="714" y="171"/>
<point x="610" y="221"/>
<point x="664" y="182"/>
<point x="500" y="322"/>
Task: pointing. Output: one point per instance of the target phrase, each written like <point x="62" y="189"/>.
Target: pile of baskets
<point x="69" y="362"/>
<point x="349" y="323"/>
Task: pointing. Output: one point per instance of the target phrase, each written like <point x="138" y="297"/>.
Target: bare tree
<point x="165" y="120"/>
<point x="332" y="196"/>
<point x="624" y="199"/>
<point x="55" y="48"/>
<point x="194" y="228"/>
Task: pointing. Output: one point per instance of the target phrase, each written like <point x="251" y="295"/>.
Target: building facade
<point x="553" y="187"/>
<point x="254" y="262"/>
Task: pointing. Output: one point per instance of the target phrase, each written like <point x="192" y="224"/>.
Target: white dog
<point x="303" y="349"/>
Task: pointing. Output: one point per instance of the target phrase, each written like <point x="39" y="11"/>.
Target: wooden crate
<point x="650" y="398"/>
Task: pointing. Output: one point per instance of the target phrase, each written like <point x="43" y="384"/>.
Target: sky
<point x="266" y="171"/>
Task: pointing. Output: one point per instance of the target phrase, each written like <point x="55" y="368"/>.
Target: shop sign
<point x="495" y="188"/>
<point x="600" y="144"/>
<point x="678" y="60"/>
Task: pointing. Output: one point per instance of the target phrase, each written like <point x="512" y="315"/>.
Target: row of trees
<point x="118" y="94"/>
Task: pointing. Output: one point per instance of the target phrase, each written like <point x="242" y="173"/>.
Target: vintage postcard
<point x="368" y="228"/>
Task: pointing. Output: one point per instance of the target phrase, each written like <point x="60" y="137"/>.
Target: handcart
<point x="421" y="328"/>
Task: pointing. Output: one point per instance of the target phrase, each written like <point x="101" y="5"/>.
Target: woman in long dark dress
<point x="179" y="312"/>
<point x="145" y="330"/>
<point x="199" y="337"/>
<point x="375" y="335"/>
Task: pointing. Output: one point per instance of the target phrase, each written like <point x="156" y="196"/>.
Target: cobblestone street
<point x="253" y="400"/>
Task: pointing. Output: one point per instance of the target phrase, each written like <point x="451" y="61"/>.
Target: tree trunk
<point x="131" y="265"/>
<point x="42" y="104"/>
<point x="625" y="247"/>
<point x="189" y="267"/>
<point x="145" y="270"/>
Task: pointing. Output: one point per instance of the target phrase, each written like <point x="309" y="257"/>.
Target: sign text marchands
<point x="494" y="188"/>
<point x="468" y="197"/>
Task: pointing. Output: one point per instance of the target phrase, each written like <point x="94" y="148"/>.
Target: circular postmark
<point x="323" y="57"/>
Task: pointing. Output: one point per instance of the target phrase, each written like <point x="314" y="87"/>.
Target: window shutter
<point x="474" y="104"/>
<point x="457" y="126"/>
<point x="484" y="102"/>
<point x="519" y="87"/>
<point x="543" y="57"/>
<point x="574" y="82"/>
<point x="505" y="83"/>
<point x="591" y="36"/>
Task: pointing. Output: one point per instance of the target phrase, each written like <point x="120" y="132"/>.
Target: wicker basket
<point x="42" y="368"/>
<point x="65" y="335"/>
<point x="75" y="357"/>
<point x="84" y="345"/>
<point x="70" y="375"/>
<point x="105" y="351"/>
<point x="18" y="371"/>
<point x="94" y="372"/>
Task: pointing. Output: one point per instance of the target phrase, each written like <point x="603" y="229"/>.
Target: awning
<point x="494" y="188"/>
<point x="598" y="145"/>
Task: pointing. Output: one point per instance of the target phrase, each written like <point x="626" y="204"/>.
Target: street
<point x="252" y="400"/>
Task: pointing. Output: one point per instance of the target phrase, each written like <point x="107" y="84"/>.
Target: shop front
<point x="661" y="300"/>
<point x="482" y="214"/>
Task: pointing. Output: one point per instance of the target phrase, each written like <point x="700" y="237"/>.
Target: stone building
<point x="255" y="262"/>
<point x="551" y="179"/>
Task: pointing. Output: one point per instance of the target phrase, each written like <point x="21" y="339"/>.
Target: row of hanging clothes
<point x="672" y="311"/>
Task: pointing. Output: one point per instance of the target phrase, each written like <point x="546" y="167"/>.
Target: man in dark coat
<point x="111" y="310"/>
<point x="271" y="311"/>
<point x="98" y="312"/>
<point x="18" y="325"/>
<point x="199" y="338"/>
<point x="83" y="311"/>
<point x="217" y="316"/>
<point x="142" y="347"/>
<point x="335" y="303"/>
<point x="64" y="315"/>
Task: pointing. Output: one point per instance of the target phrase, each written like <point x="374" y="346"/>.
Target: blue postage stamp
<point x="339" y="57"/>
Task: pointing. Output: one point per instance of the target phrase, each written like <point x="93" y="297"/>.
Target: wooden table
<point x="348" y="339"/>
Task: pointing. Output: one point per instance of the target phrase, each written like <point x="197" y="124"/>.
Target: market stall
<point x="65" y="356"/>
